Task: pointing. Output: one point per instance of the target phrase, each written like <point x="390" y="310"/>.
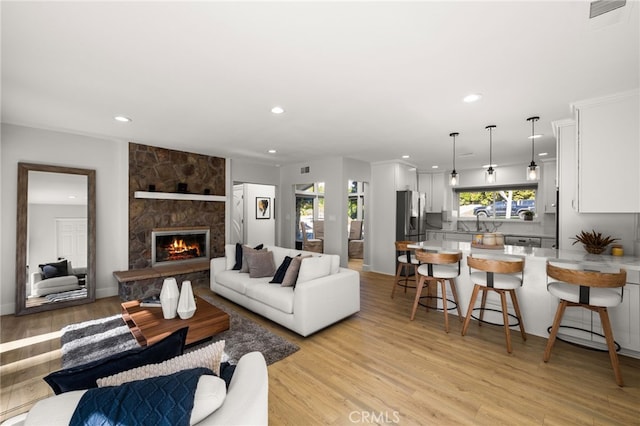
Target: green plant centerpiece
<point x="593" y="241"/>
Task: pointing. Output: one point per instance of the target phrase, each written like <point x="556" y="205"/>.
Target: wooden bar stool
<point x="438" y="267"/>
<point x="591" y="290"/>
<point x="496" y="274"/>
<point x="407" y="264"/>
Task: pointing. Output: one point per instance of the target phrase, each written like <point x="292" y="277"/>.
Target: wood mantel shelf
<point x="178" y="196"/>
<point x="161" y="271"/>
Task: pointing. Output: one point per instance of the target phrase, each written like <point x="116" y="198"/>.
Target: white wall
<point x="110" y="160"/>
<point x="335" y="172"/>
<point x="258" y="231"/>
<point x="243" y="171"/>
<point x="386" y="179"/>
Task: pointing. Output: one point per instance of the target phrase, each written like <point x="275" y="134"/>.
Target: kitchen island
<point x="538" y="306"/>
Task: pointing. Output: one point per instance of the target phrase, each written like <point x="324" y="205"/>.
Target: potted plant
<point x="527" y="215"/>
<point x="593" y="241"/>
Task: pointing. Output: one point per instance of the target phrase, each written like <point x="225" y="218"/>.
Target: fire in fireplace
<point x="172" y="245"/>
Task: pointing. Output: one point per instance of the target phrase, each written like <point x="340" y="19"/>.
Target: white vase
<point x="186" y="304"/>
<point x="169" y="298"/>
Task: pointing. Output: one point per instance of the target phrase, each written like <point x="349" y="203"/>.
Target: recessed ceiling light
<point x="406" y="156"/>
<point x="277" y="110"/>
<point x="487" y="166"/>
<point x="472" y="97"/>
<point x="535" y="136"/>
<point x="434" y="167"/>
<point x="122" y="118"/>
<point x="272" y="151"/>
<point x="543" y="154"/>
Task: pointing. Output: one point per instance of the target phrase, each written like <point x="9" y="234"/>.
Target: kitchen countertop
<point x="519" y="234"/>
<point x="535" y="253"/>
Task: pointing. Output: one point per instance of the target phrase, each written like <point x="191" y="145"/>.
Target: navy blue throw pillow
<point x="55" y="269"/>
<point x="85" y="376"/>
<point x="282" y="270"/>
<point x="226" y="372"/>
<point x="238" y="264"/>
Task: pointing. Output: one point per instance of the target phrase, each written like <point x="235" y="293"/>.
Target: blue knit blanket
<point x="164" y="400"/>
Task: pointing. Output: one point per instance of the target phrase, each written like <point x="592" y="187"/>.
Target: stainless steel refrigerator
<point x="410" y="216"/>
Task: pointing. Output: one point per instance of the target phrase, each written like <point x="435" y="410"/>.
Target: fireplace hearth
<point x="178" y="245"/>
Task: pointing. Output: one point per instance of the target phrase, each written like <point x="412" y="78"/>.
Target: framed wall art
<point x="263" y="208"/>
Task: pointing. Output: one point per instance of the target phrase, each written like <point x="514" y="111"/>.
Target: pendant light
<point x="533" y="171"/>
<point x="490" y="174"/>
<point x="454" y="178"/>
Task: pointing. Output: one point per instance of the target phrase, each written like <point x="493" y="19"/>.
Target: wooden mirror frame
<point x="22" y="232"/>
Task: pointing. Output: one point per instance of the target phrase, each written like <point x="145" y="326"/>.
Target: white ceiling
<point x="365" y="80"/>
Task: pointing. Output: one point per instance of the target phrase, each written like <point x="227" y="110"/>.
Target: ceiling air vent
<point x="600" y="7"/>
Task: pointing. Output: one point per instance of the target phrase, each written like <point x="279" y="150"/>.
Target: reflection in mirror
<point x="55" y="237"/>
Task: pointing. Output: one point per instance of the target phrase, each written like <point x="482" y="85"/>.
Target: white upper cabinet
<point x="432" y="184"/>
<point x="437" y="193"/>
<point x="549" y="186"/>
<point x="406" y="177"/>
<point x="608" y="151"/>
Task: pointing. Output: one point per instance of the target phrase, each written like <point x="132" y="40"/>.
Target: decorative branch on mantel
<point x="178" y="196"/>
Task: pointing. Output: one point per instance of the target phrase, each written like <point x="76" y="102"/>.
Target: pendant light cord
<point x="491" y="127"/>
<point x="453" y="135"/>
<point x="533" y="133"/>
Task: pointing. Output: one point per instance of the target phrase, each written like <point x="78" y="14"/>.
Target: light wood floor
<point x="378" y="367"/>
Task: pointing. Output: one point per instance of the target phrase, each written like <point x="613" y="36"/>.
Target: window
<point x="355" y="207"/>
<point x="507" y="203"/>
<point x="309" y="207"/>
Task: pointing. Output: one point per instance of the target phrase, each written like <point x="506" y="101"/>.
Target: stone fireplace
<point x="154" y="169"/>
<point x="179" y="245"/>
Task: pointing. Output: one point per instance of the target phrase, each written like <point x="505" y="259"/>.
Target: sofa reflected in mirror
<point x="56" y="282"/>
<point x="55" y="237"/>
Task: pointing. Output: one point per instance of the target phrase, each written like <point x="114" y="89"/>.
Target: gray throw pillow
<point x="291" y="276"/>
<point x="261" y="264"/>
<point x="245" y="251"/>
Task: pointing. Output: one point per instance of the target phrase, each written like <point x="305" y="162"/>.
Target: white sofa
<point x="327" y="297"/>
<point x="41" y="287"/>
<point x="246" y="402"/>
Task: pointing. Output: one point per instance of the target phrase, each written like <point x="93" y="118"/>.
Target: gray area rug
<point x="91" y="340"/>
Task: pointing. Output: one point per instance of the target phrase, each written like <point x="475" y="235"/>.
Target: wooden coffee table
<point x="149" y="326"/>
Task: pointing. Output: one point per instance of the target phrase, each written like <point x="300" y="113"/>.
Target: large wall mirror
<point x="56" y="237"/>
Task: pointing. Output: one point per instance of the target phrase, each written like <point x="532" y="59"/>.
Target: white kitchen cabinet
<point x="406" y="177"/>
<point x="432" y="184"/>
<point x="548" y="242"/>
<point x="608" y="150"/>
<point x="454" y="236"/>
<point x="549" y="186"/>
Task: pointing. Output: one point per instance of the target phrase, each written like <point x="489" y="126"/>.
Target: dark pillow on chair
<point x="85" y="376"/>
<point x="239" y="254"/>
<point x="282" y="270"/>
<point x="54" y="269"/>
